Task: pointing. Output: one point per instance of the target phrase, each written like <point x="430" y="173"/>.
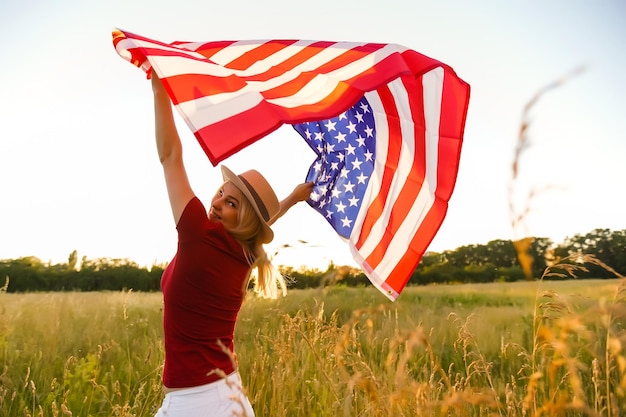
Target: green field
<point x="507" y="349"/>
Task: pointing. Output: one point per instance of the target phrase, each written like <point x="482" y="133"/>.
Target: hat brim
<point x="267" y="234"/>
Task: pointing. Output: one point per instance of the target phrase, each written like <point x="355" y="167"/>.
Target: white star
<point x="365" y="107"/>
<point x="361" y="178"/>
<point x="341" y="137"/>
<point x="359" y="117"/>
<point x="368" y="156"/>
<point x="344" y="173"/>
<point x="351" y="127"/>
<point x="319" y="135"/>
<point x="350" y="149"/>
<point x="349" y="187"/>
<point x="360" y="140"/>
<point x="340" y="207"/>
<point x="329" y="214"/>
<point x="315" y="196"/>
<point x="340" y="157"/>
<point x="345" y="222"/>
<point x="343" y="116"/>
<point x="356" y="164"/>
<point x="369" y="131"/>
<point x="330" y="125"/>
<point x="354" y="202"/>
<point x="334" y="166"/>
<point x="335" y="193"/>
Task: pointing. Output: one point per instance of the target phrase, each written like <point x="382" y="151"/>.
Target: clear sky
<point x="78" y="166"/>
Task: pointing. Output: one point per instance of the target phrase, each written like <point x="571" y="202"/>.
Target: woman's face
<point x="225" y="206"/>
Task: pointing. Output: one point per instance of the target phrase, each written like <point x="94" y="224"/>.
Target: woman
<point x="205" y="284"/>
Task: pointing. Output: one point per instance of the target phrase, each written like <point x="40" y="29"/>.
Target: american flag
<point x="385" y="121"/>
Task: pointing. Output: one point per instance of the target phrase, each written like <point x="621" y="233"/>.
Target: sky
<point x="79" y="169"/>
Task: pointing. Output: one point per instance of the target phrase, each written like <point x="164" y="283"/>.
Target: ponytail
<point x="268" y="281"/>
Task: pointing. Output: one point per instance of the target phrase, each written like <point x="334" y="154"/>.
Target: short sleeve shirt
<point x="203" y="289"/>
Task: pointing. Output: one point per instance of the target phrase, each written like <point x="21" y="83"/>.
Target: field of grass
<point x="505" y="349"/>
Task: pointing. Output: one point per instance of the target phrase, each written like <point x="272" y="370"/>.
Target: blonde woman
<point x="205" y="283"/>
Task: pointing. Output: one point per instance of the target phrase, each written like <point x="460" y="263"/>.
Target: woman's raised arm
<point x="170" y="150"/>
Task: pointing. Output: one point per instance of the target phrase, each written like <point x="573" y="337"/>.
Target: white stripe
<point x="131" y="43"/>
<point x="170" y="66"/>
<point x="374" y="183"/>
<point x="203" y="112"/>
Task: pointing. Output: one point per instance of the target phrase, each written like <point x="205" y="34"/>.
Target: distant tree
<point x="501" y="253"/>
<point x="26" y="274"/>
<point x="430" y="259"/>
<point x="462" y="256"/>
<point x="539" y="250"/>
<point x="72" y="260"/>
<point x="607" y="246"/>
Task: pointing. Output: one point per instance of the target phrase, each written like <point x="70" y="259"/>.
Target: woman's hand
<point x="157" y="85"/>
<point x="302" y="191"/>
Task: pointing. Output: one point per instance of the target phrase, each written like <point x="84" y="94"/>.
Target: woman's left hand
<point x="302" y="191"/>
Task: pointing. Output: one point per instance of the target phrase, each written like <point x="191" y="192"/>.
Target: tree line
<point x="498" y="260"/>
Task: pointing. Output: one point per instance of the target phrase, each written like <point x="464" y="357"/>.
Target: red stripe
<point x="194" y="86"/>
<point x="211" y="48"/>
<point x="407" y="263"/>
<point x="225" y="138"/>
<point x="260" y="53"/>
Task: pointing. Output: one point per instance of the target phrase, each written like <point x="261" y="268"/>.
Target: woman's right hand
<point x="157" y="85"/>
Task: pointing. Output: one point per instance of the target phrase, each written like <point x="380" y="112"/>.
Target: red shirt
<point x="202" y="292"/>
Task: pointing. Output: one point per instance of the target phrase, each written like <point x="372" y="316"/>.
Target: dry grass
<point x="518" y="349"/>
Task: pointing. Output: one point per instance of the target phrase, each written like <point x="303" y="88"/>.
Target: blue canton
<point x="345" y="146"/>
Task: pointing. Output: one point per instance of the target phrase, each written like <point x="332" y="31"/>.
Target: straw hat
<point x="260" y="195"/>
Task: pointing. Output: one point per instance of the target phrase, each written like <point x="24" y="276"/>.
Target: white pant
<point x="223" y="398"/>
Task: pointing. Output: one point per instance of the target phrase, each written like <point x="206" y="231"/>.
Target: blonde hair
<point x="268" y="281"/>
